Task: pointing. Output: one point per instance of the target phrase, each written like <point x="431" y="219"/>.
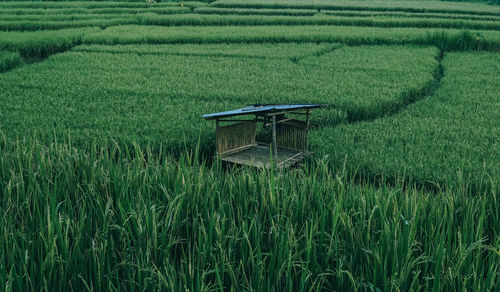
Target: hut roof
<point x="260" y="109"/>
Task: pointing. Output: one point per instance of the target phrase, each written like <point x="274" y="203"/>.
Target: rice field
<point x="9" y="60"/>
<point x="419" y="145"/>
<point x="108" y="179"/>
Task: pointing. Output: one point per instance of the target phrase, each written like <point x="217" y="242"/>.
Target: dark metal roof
<point x="261" y="109"/>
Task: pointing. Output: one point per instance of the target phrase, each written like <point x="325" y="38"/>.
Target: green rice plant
<point x="37" y="11"/>
<point x="62" y="17"/>
<point x="463" y="16"/>
<point x="159" y="97"/>
<point x="107" y="180"/>
<point x="122" y="217"/>
<point x="264" y="50"/>
<point x="405" y="6"/>
<point x="492" y="2"/>
<point x="35" y="25"/>
<point x="56" y="21"/>
<point x="193" y="19"/>
<point x="95" y="4"/>
<point x="41" y="10"/>
<point x="186" y="8"/>
<point x="452" y="133"/>
<point x="42" y="44"/>
<point x="9" y="60"/>
<point x="313" y="33"/>
<point x="464" y="41"/>
<point x="247" y="11"/>
<point x="83" y="11"/>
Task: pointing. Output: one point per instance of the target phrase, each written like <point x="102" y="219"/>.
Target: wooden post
<point x="275" y="145"/>
<point x="217" y="136"/>
<point x="307" y="130"/>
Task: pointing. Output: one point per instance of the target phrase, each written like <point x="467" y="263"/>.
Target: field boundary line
<point x="423" y="93"/>
<point x="319" y="53"/>
<point x="176" y="54"/>
<point x="407" y="99"/>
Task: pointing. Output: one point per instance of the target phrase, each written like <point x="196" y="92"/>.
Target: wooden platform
<point x="260" y="156"/>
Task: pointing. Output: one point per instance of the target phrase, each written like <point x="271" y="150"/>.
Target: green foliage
<point x="453" y="133"/>
<point x="62" y="17"/>
<point x="119" y="218"/>
<point x="9" y="60"/>
<point x="43" y="43"/>
<point x="87" y="11"/>
<point x="37" y="22"/>
<point x="404" y="6"/>
<point x="35" y="25"/>
<point x="132" y="34"/>
<point x="193" y="19"/>
<point x="94" y="4"/>
<point x="133" y="97"/>
<point x="250" y="11"/>
<point x="85" y="14"/>
<point x="107" y="180"/>
<point x="465" y="40"/>
<point x="493" y="2"/>
<point x="263" y="50"/>
<point x="464" y="15"/>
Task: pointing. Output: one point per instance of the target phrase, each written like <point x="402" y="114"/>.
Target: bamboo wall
<point x="235" y="136"/>
<point x="292" y="135"/>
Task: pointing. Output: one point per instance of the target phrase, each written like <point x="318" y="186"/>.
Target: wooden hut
<point x="236" y="134"/>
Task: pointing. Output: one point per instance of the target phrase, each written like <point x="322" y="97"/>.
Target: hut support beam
<point x="308" y="112"/>
<point x="275" y="145"/>
<point x="217" y="136"/>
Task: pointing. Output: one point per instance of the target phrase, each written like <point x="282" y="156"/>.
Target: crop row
<point x="43" y="43"/>
<point x="291" y="51"/>
<point x="94" y="4"/>
<point x="461" y="16"/>
<point x="449" y="39"/>
<point x="453" y="133"/>
<point x="84" y="11"/>
<point x="9" y="60"/>
<point x="239" y="11"/>
<point x="358" y="13"/>
<point x="120" y="218"/>
<point x="193" y="19"/>
<point x="404" y="6"/>
<point x="250" y="11"/>
<point x="127" y="95"/>
<point x="31" y="26"/>
<point x="73" y="21"/>
<point x="62" y="17"/>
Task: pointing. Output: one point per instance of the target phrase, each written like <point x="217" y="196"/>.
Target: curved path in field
<point x="426" y="92"/>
